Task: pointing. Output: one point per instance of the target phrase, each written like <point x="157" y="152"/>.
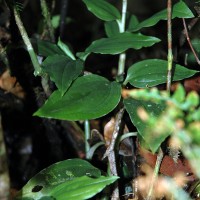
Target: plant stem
<point x="189" y="42"/>
<point x="87" y="136"/>
<point x="27" y="42"/>
<point x="122" y="24"/>
<point x="169" y="78"/>
<point x="169" y="36"/>
<point x="47" y="19"/>
<point x="155" y="173"/>
<point x="110" y="152"/>
<point x="63" y="14"/>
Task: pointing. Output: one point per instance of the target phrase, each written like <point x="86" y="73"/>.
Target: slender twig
<point x="87" y="137"/>
<point x="189" y="42"/>
<point x="47" y="19"/>
<point x="122" y="23"/>
<point x="169" y="78"/>
<point x="4" y="173"/>
<point x="63" y="14"/>
<point x="27" y="42"/>
<point x="155" y="173"/>
<point x="110" y="152"/>
<point x="169" y="36"/>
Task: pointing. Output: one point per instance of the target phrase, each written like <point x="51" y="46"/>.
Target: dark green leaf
<point x="45" y="182"/>
<point x="120" y="43"/>
<point x="82" y="188"/>
<point x="111" y="28"/>
<point x="153" y="72"/>
<point x="132" y="22"/>
<point x="89" y="97"/>
<point x="62" y="70"/>
<point x="154" y="110"/>
<point x="46" y="48"/>
<point x="102" y="9"/>
<point x="180" y="10"/>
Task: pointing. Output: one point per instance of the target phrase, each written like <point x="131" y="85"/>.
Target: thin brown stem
<point x="169" y="38"/>
<point x="110" y="152"/>
<point x="189" y="42"/>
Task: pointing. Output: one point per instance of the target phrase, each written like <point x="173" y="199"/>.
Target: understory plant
<point x="80" y="96"/>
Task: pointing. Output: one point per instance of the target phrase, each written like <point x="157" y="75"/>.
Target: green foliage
<point x="180" y="118"/>
<point x="74" y="179"/>
<point x="180" y="10"/>
<point x="102" y="9"/>
<point x="89" y="97"/>
<point x="62" y="70"/>
<point x="120" y="43"/>
<point x="153" y="72"/>
<point x="155" y="114"/>
<point x="140" y="111"/>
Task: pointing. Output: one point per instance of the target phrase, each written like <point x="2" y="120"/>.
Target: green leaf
<point x="180" y="10"/>
<point x="111" y="28"/>
<point x="102" y="9"/>
<point x="66" y="49"/>
<point x="149" y="73"/>
<point x="154" y="110"/>
<point x="46" y="181"/>
<point x="46" y="48"/>
<point x="132" y="22"/>
<point x="120" y="43"/>
<point x="62" y="70"/>
<point x="82" y="188"/>
<point x="179" y="94"/>
<point x="89" y="97"/>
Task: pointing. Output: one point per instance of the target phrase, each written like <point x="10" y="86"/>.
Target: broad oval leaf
<point x="179" y="10"/>
<point x="89" y="97"/>
<point x="47" y="179"/>
<point x="82" y="188"/>
<point x="120" y="43"/>
<point x="62" y="70"/>
<point x="153" y="110"/>
<point x="149" y="73"/>
<point x="102" y="9"/>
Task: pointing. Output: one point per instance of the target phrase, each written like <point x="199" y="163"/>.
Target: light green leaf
<point x="66" y="49"/>
<point x="111" y="28"/>
<point x="102" y="9"/>
<point x="120" y="43"/>
<point x="62" y="70"/>
<point x="149" y="73"/>
<point x="82" y="188"/>
<point x="89" y="97"/>
<point x="180" y="10"/>
<point x="154" y="110"/>
<point x="46" y="182"/>
<point x="179" y="94"/>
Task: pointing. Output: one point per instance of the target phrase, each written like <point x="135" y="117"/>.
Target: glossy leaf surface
<point x="65" y="179"/>
<point x="153" y="110"/>
<point x="62" y="70"/>
<point x="89" y="97"/>
<point x="153" y="72"/>
<point x="180" y="10"/>
<point x="120" y="43"/>
<point x="102" y="9"/>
